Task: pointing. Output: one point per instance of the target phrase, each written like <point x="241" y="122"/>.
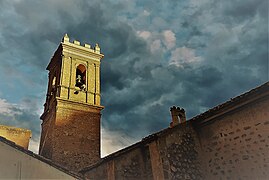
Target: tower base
<point x="71" y="134"/>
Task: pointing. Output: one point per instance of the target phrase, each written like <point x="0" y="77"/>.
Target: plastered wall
<point x="15" y="164"/>
<point x="20" y="136"/>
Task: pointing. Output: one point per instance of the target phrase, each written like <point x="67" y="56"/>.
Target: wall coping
<point x="259" y="93"/>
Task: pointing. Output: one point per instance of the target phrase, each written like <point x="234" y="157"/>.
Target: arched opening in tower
<point x="81" y="77"/>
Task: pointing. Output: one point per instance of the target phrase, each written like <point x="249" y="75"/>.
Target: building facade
<point x="71" y="120"/>
<point x="229" y="141"/>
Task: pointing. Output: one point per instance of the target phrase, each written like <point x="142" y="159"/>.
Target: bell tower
<point x="71" y="120"/>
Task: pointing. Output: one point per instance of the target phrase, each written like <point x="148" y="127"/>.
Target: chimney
<point x="178" y="116"/>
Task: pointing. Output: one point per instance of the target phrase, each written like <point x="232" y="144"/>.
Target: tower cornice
<point x="75" y="105"/>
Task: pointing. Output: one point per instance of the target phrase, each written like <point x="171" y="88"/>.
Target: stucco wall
<point x="15" y="164"/>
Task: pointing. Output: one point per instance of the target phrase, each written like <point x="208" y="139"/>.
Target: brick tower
<point x="71" y="120"/>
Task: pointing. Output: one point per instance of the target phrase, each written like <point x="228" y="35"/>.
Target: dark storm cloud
<point x="36" y="33"/>
<point x="235" y="59"/>
<point x="239" y="11"/>
<point x="222" y="51"/>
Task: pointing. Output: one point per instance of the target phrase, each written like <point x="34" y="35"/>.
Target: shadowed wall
<point x="229" y="141"/>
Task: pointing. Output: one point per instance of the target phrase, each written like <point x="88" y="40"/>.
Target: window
<point x="53" y="86"/>
<point x="80" y="78"/>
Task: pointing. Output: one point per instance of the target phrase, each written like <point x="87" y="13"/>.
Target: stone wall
<point x="18" y="135"/>
<point x="171" y="154"/>
<point x="229" y="141"/>
<point x="132" y="164"/>
<point x="236" y="144"/>
<point x="179" y="154"/>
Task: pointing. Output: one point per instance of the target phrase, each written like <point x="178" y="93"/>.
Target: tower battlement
<point x="77" y="44"/>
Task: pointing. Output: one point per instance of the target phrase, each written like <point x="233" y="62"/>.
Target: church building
<point x="229" y="141"/>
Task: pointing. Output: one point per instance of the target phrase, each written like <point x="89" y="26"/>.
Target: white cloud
<point x="22" y="115"/>
<point x="169" y="39"/>
<point x="34" y="145"/>
<point x="155" y="45"/>
<point x="7" y="108"/>
<point x="144" y="34"/>
<point x="183" y="55"/>
<point x="146" y="13"/>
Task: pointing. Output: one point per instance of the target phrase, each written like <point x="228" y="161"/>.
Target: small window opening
<point x="53" y="86"/>
<point x="54" y="81"/>
<point x="80" y="78"/>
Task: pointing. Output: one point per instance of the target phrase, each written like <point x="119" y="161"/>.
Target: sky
<point x="194" y="54"/>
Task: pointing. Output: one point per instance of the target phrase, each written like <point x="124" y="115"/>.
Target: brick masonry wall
<point x="76" y="138"/>
<point x="45" y="146"/>
<point x="236" y="146"/>
<point x="71" y="134"/>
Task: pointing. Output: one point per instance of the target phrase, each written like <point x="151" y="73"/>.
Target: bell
<point x="78" y="81"/>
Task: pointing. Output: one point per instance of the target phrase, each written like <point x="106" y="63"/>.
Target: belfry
<point x="72" y="112"/>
